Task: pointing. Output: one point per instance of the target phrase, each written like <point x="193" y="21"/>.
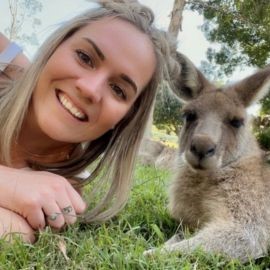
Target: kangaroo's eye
<point x="237" y="122"/>
<point x="189" y="116"/>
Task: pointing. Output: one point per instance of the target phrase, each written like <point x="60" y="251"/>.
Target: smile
<point x="69" y="106"/>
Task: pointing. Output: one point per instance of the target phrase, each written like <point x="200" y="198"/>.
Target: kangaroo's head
<point x="215" y="132"/>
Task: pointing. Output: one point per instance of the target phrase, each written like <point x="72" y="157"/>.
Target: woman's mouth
<point x="70" y="107"/>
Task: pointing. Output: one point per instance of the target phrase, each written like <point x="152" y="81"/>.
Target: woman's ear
<point x="191" y="81"/>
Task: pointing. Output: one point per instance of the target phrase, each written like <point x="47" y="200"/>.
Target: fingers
<point x="60" y="212"/>
<point x="69" y="214"/>
<point x="37" y="219"/>
<point x="60" y="209"/>
<point x="65" y="206"/>
<point x="53" y="215"/>
<point x="76" y="200"/>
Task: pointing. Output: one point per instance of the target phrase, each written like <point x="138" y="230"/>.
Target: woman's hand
<point x="40" y="197"/>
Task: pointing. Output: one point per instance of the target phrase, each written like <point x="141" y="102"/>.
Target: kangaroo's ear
<point x="191" y="81"/>
<point x="252" y="88"/>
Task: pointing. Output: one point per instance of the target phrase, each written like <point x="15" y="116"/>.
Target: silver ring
<point x="53" y="216"/>
<point x="67" y="210"/>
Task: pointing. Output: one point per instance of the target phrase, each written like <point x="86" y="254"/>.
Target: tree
<point x="176" y="17"/>
<point x="167" y="108"/>
<point x="21" y="11"/>
<point x="241" y="28"/>
<point x="167" y="111"/>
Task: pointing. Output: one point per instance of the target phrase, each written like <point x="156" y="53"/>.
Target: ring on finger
<point x="53" y="216"/>
<point x="67" y="210"/>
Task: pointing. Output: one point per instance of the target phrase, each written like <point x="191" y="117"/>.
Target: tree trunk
<point x="174" y="27"/>
<point x="176" y="17"/>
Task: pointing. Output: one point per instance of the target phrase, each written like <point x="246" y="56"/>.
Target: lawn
<point x="117" y="244"/>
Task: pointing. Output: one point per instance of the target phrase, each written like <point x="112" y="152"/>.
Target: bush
<point x="167" y="113"/>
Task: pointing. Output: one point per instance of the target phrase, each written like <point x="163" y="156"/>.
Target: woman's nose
<point x="91" y="88"/>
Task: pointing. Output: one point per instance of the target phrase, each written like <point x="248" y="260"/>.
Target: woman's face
<point x="91" y="81"/>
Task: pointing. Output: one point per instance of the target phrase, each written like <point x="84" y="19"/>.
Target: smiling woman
<point x="84" y="101"/>
<point x="93" y="84"/>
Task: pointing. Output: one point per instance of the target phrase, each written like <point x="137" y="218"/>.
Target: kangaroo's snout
<point x="202" y="153"/>
<point x="202" y="147"/>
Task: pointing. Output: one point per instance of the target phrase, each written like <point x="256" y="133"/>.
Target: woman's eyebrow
<point x="96" y="48"/>
<point x="130" y="81"/>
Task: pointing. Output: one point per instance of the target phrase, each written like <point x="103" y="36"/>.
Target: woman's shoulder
<point x="11" y="54"/>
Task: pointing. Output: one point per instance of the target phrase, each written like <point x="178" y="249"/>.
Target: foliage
<point x="240" y="28"/>
<point x="167" y="111"/>
<point x="239" y="31"/>
<point x="170" y="140"/>
<point x="262" y="124"/>
<point x="22" y="11"/>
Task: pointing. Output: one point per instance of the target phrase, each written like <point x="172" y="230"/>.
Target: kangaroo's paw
<point x="159" y="251"/>
<point x="174" y="239"/>
<point x="166" y="247"/>
<point x="150" y="252"/>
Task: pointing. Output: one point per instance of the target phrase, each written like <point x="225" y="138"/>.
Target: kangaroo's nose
<point x="202" y="147"/>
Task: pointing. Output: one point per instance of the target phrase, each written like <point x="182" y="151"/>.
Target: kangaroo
<point x="221" y="188"/>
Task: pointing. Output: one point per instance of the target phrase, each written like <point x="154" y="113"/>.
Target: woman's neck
<point x="22" y="154"/>
<point x="34" y="145"/>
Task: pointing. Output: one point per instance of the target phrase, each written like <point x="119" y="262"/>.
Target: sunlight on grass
<point x="170" y="140"/>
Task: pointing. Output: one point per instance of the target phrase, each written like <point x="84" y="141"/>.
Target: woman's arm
<point x="12" y="224"/>
<point x="20" y="59"/>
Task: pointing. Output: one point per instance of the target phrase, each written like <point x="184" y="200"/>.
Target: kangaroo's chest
<point x="194" y="202"/>
<point x="238" y="195"/>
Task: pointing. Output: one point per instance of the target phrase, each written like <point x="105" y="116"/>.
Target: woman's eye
<point x="85" y="58"/>
<point x="118" y="91"/>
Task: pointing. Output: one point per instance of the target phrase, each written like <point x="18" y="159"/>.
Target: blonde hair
<point x="112" y="156"/>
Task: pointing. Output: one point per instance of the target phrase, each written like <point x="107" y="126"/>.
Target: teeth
<point x="70" y="107"/>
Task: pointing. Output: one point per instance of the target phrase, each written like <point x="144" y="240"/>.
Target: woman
<point x="84" y="100"/>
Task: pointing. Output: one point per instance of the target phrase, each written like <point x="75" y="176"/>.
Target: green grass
<point x="117" y="244"/>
